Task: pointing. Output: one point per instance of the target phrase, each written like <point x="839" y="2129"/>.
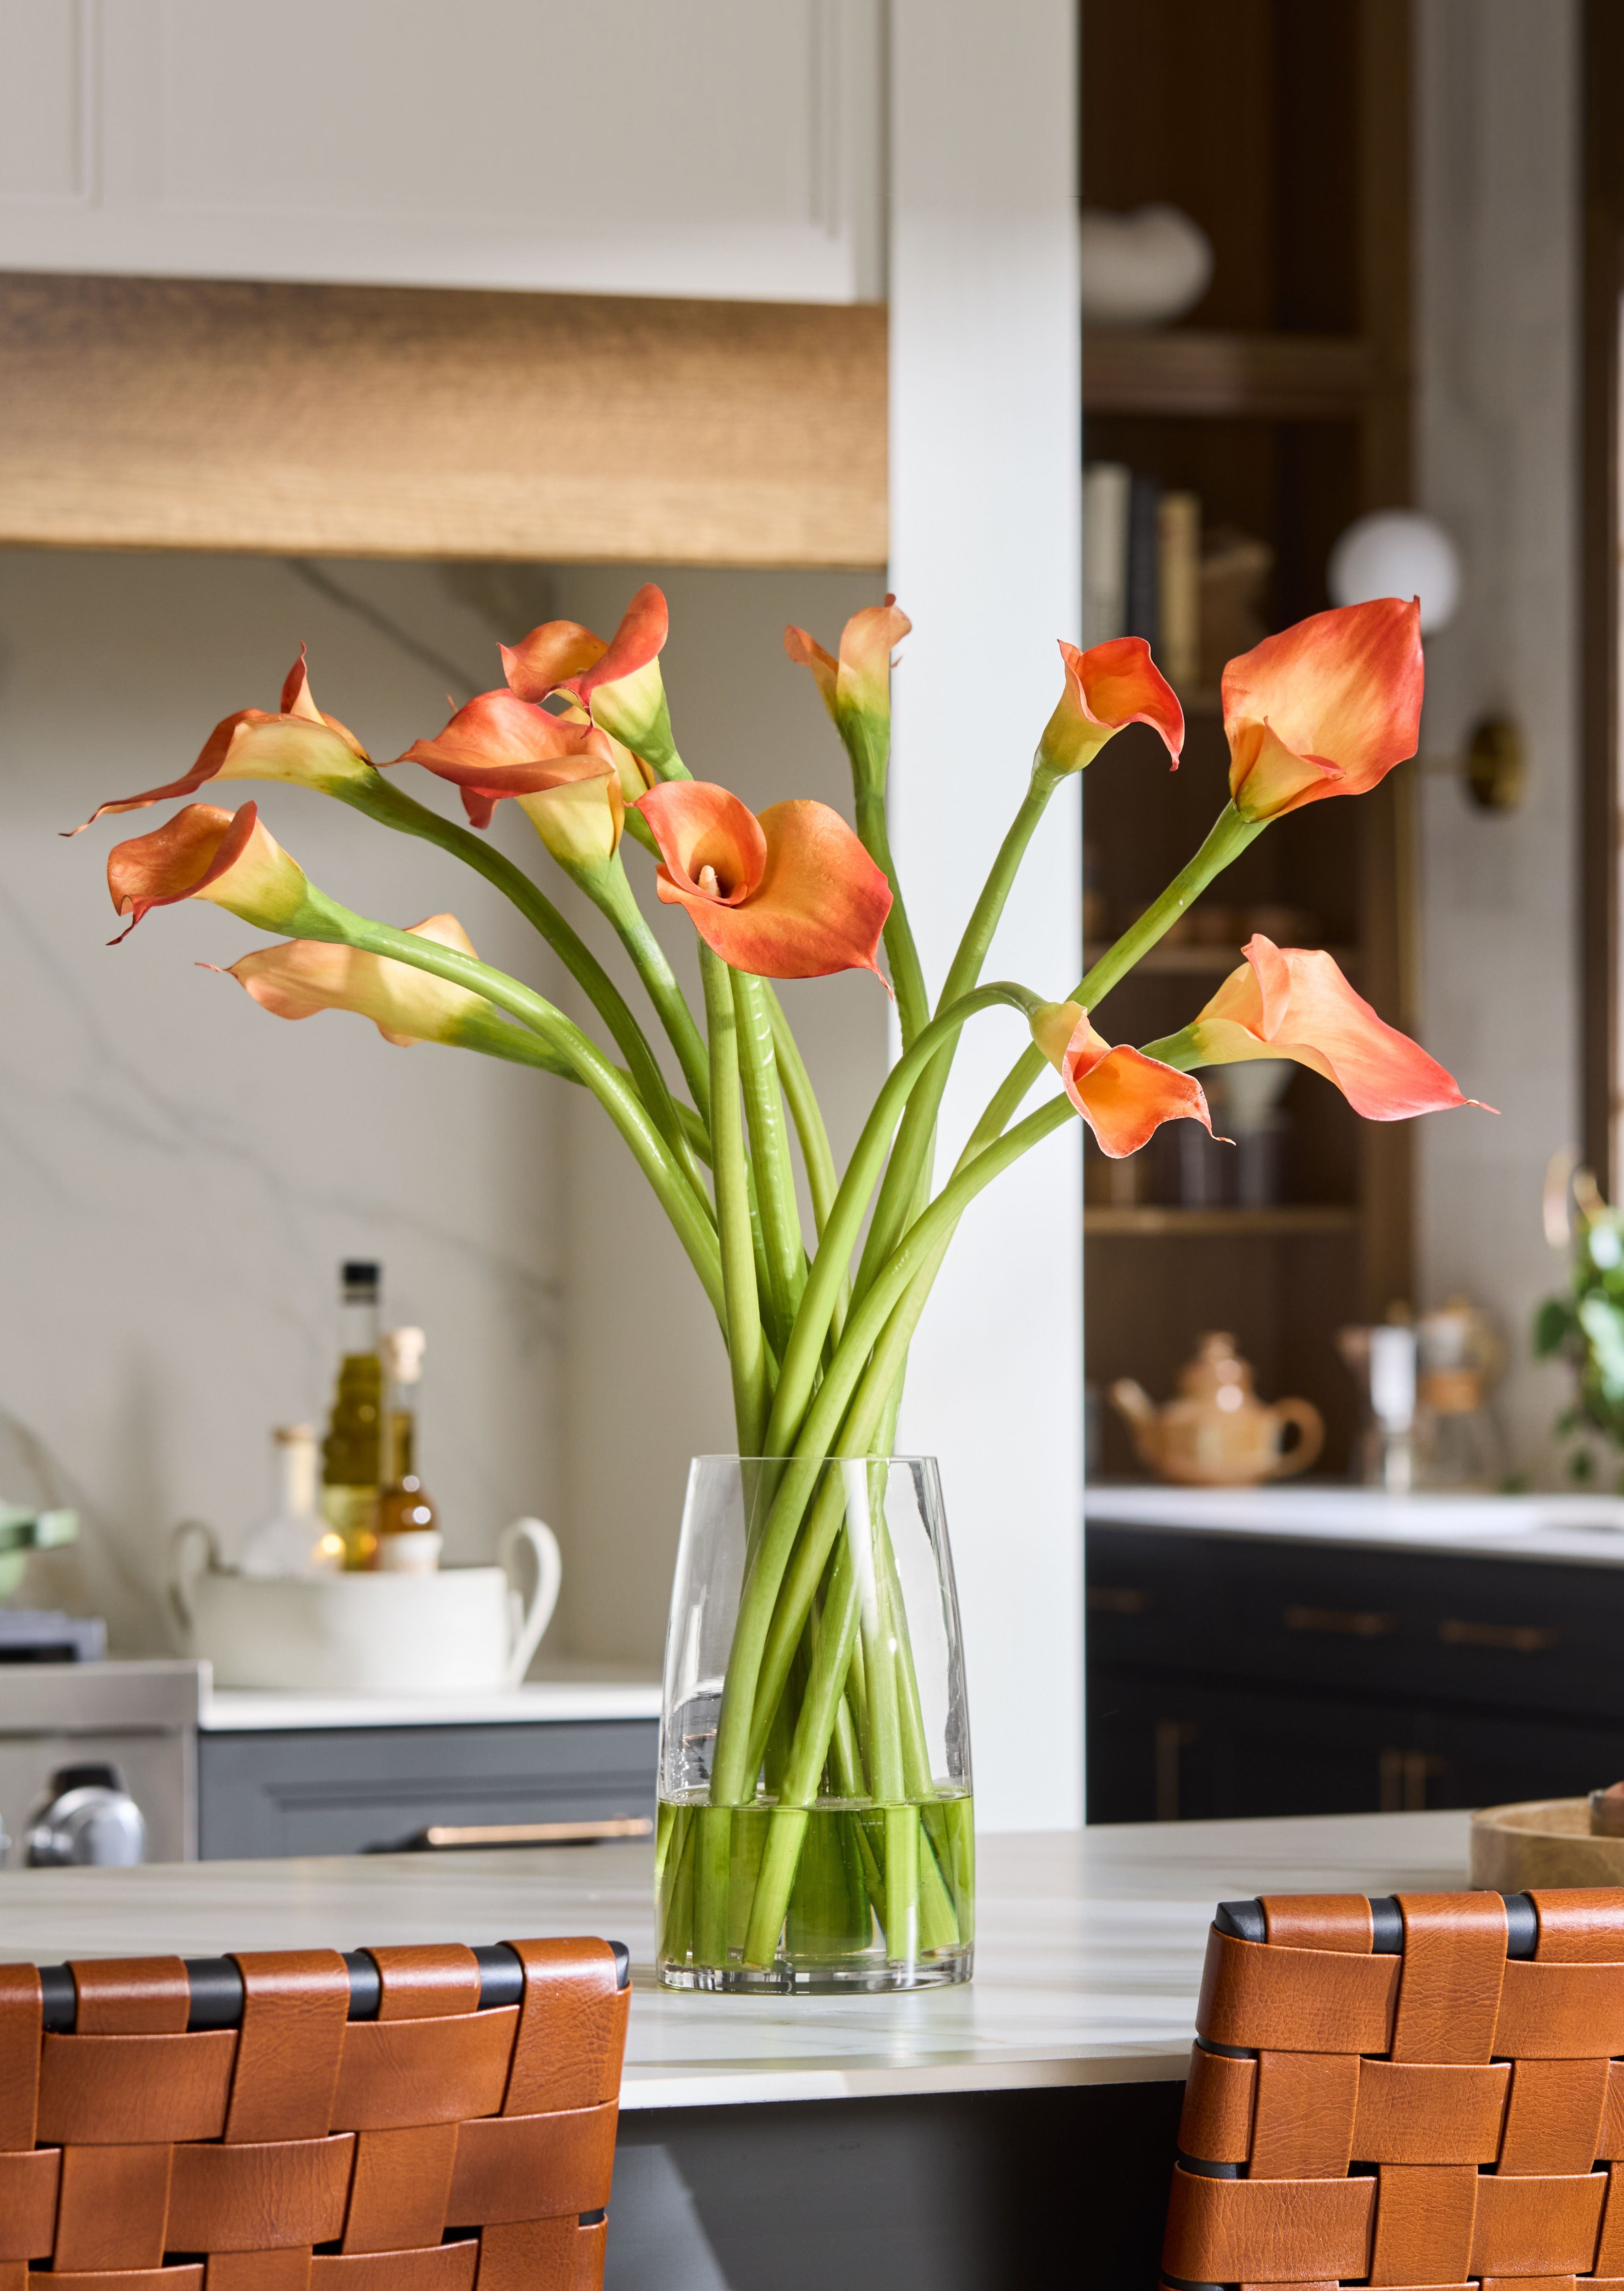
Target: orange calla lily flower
<point x="856" y="688"/>
<point x="1287" y="1002"/>
<point x="619" y="683"/>
<point x="1123" y="1096"/>
<point x="789" y="894"/>
<point x="1106" y="687"/>
<point x="1326" y="708"/>
<point x="500" y="746"/>
<point x="303" y="976"/>
<point x="231" y="859"/>
<point x="300" y="744"/>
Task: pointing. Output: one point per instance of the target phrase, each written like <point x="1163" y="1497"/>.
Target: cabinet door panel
<point x="718" y="148"/>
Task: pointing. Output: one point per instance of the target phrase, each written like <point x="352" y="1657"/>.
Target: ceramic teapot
<point x="1217" y="1433"/>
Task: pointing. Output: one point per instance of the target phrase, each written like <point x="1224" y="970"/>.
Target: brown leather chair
<point x="399" y="2119"/>
<point x="1421" y="2090"/>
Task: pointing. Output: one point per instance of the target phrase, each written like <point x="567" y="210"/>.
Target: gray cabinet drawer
<point x="344" y="1789"/>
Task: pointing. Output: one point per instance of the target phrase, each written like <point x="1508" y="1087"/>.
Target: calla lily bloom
<point x="856" y="688"/>
<point x="303" y="976"/>
<point x="231" y="859"/>
<point x="580" y="821"/>
<point x="789" y="894"/>
<point x="1123" y="1096"/>
<point x="300" y="744"/>
<point x="1286" y="1003"/>
<point x="1106" y="687"/>
<point x="619" y="683"/>
<point x="500" y="746"/>
<point x="1326" y="708"/>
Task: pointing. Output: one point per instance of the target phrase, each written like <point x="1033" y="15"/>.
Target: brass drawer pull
<point x="1341" y="1622"/>
<point x="1517" y="1638"/>
<point x="1111" y="1599"/>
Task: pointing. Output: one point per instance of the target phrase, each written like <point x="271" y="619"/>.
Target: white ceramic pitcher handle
<point x="193" y="1548"/>
<point x="531" y="1621"/>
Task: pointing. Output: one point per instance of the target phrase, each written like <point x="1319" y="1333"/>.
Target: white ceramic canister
<point x="460" y="1630"/>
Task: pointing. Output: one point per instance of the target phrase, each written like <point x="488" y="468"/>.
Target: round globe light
<point x="1397" y="552"/>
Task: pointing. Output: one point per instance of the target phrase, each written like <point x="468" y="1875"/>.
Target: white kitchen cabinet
<point x="717" y="148"/>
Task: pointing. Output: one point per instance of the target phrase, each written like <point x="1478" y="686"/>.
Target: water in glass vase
<point x="882" y="1897"/>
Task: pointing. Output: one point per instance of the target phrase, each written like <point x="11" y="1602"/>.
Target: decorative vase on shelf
<point x="816" y="1828"/>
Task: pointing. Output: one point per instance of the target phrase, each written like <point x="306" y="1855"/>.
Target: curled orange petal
<point x="1107" y="686"/>
<point x="807" y="652"/>
<point x="1339" y="697"/>
<point x="549" y="656"/>
<point x="303" y="976"/>
<point x="791" y="893"/>
<point x="636" y="643"/>
<point x="500" y="746"/>
<point x="1291" y="1002"/>
<point x="1123" y="1096"/>
<point x="299" y="745"/>
<point x="231" y="859"/>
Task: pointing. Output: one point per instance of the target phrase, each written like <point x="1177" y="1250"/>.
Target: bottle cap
<point x="403" y="1351"/>
<point x="361" y="1274"/>
<point x="293" y="1435"/>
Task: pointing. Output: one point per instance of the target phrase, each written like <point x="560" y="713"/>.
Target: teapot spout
<point x="1135" y="1406"/>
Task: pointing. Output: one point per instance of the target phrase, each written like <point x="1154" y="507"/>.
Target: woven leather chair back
<point x="304" y="2150"/>
<point x="1404" y="2093"/>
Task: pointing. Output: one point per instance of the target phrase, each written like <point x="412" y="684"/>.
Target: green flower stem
<point x="832" y="1418"/>
<point x="907" y="977"/>
<point x="380" y="799"/>
<point x="609" y="891"/>
<point x="910" y="1161"/>
<point x="484" y="1031"/>
<point x="712" y="1884"/>
<point x="803" y="1353"/>
<point x="764" y="1108"/>
<point x="1228" y="837"/>
<point x="804" y="1111"/>
<point x="746" y="1345"/>
<point x="325" y="919"/>
<point x="1180" y="1052"/>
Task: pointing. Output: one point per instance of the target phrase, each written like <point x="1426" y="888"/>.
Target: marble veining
<point x="1088" y="1956"/>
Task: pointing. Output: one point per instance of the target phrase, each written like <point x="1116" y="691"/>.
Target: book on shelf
<point x="1141" y="566"/>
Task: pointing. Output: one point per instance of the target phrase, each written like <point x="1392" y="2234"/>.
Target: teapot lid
<point x="1217" y="1369"/>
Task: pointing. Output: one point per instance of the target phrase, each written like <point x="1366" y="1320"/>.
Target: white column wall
<point x="985" y="398"/>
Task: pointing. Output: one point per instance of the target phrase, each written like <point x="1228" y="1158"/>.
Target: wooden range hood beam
<point x="388" y="422"/>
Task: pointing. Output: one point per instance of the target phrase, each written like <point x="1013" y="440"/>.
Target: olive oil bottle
<point x="407" y="1526"/>
<point x="352" y="1453"/>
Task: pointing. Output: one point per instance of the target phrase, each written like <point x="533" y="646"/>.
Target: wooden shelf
<point x="1186" y="959"/>
<point x="1173" y="1223"/>
<point x="1283" y="377"/>
<point x="394" y="421"/>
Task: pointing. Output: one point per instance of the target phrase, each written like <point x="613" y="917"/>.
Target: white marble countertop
<point x="1579" y="1530"/>
<point x="567" y="1689"/>
<point x="1088" y="1956"/>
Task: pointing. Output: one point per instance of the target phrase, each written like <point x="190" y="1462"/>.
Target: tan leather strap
<point x="1334" y="1921"/>
<point x="445" y="2266"/>
<point x="131" y="1995"/>
<point x="20" y="2013"/>
<point x="406" y="2072"/>
<point x="1219" y="2231"/>
<point x="543" y="2255"/>
<point x="1412" y="2113"/>
<point x="245" y="2197"/>
<point x="1610" y="2242"/>
<point x="295" y="2004"/>
<point x="423" y="1983"/>
<point x="108" y="2091"/>
<point x="1216" y="2121"/>
<point x="259" y="2271"/>
<point x="1449" y="1991"/>
<point x="571" y="2028"/>
<point x="1295" y="2000"/>
<point x="1303" y="2124"/>
<point x="113" y="2207"/>
<point x="526" y="2167"/>
<point x="1554" y="2122"/>
<point x="1424" y="2218"/>
<point x="401" y="2184"/>
<point x="1560" y="2011"/>
<point x="1529" y="2226"/>
<point x="1583" y="1926"/>
<point x="28" y="2203"/>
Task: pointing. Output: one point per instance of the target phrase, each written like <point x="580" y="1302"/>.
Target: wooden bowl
<point x="1545" y="1841"/>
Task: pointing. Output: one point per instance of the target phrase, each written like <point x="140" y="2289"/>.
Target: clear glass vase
<point x="816" y="1824"/>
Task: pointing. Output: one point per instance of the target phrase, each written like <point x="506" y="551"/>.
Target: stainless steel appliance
<point x="98" y="1759"/>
